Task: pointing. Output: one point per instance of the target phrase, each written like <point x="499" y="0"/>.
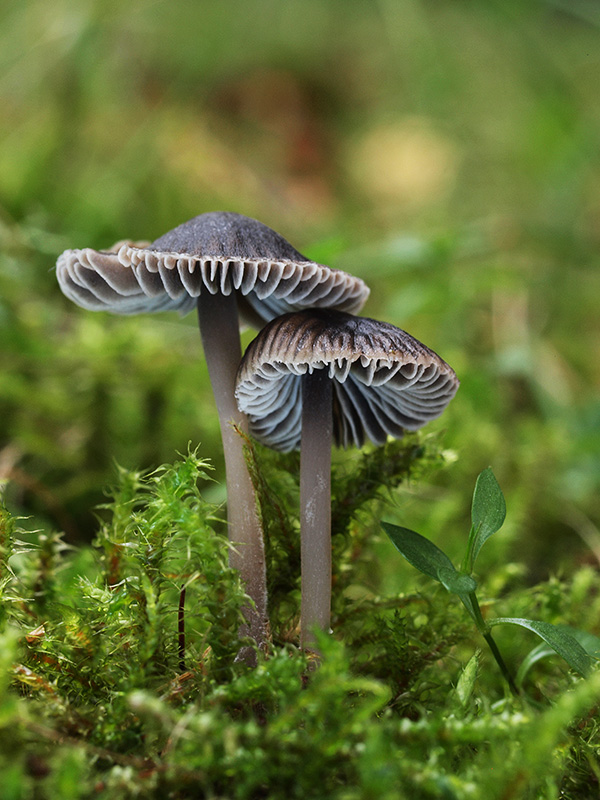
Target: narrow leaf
<point x="589" y="642"/>
<point x="456" y="582"/>
<point x="418" y="550"/>
<point x="488" y="510"/>
<point x="559" y="640"/>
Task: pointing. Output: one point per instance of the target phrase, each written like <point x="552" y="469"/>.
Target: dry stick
<point x="219" y="329"/>
<point x="315" y="503"/>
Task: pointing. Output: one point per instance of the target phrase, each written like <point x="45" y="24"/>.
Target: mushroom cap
<point x="216" y="252"/>
<point x="384" y="380"/>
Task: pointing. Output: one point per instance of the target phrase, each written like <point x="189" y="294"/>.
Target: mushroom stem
<point x="219" y="329"/>
<point x="315" y="504"/>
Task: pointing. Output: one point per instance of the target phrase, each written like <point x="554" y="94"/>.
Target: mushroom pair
<point x="224" y="264"/>
<point x="310" y="377"/>
<point x="321" y="375"/>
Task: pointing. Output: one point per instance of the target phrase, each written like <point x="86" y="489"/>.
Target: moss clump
<point x="119" y="679"/>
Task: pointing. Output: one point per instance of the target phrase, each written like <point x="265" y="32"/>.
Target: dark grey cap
<point x="215" y="252"/>
<point x="384" y="380"/>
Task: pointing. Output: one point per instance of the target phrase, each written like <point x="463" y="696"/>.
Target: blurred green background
<point x="446" y="152"/>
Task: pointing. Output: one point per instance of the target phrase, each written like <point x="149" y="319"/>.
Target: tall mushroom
<point x="319" y="375"/>
<point x="217" y="261"/>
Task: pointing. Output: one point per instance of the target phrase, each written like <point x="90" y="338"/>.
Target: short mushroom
<point x="319" y="375"/>
<point x="216" y="262"/>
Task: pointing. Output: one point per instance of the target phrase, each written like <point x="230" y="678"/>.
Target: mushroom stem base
<point x="315" y="504"/>
<point x="219" y="329"/>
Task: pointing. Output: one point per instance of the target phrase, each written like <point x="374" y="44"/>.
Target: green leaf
<point x="557" y="637"/>
<point x="589" y="642"/>
<point x="466" y="681"/>
<point x="456" y="582"/>
<point x="488" y="511"/>
<point x="419" y="551"/>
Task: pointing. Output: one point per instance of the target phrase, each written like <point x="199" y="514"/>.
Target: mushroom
<point x="217" y="261"/>
<point x="318" y="375"/>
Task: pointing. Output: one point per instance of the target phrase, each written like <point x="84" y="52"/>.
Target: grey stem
<point x="219" y="329"/>
<point x="315" y="504"/>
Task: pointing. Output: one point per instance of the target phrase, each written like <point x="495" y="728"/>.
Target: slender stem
<point x="219" y="329"/>
<point x="315" y="504"/>
<point x="474" y="609"/>
<point x="181" y="629"/>
<point x="501" y="663"/>
<point x="484" y="629"/>
<point x="467" y="564"/>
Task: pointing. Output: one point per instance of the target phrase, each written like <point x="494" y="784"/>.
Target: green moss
<point x="103" y="693"/>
